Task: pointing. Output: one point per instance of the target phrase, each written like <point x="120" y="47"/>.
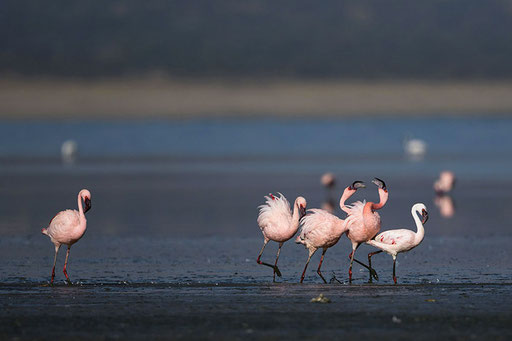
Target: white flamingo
<point x="394" y="242"/>
<point x="278" y="223"/>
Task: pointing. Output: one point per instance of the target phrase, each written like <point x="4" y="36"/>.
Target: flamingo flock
<point x="320" y="229"/>
<point x="280" y="222"/>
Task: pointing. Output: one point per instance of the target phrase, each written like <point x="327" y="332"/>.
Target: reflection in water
<point x="445" y="204"/>
<point x="443" y="200"/>
<point x="328" y="180"/>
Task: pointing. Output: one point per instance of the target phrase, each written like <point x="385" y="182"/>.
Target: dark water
<point x="172" y="236"/>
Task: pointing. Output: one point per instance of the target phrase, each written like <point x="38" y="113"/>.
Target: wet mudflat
<point x="256" y="311"/>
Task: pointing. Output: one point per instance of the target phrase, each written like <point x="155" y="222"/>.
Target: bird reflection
<point x="443" y="200"/>
<point x="328" y="180"/>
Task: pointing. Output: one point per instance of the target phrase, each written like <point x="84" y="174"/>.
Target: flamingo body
<point x="276" y="220"/>
<point x="67" y="227"/>
<point x="363" y="223"/>
<point x="278" y="223"/>
<point x="360" y="226"/>
<point x="401" y="240"/>
<point x="321" y="229"/>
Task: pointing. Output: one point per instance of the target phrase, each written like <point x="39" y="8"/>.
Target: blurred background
<point x="179" y="116"/>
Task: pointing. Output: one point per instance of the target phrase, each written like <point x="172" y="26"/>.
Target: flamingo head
<point x="380" y="183"/>
<point x="424" y="215"/>
<point x="86" y="196"/>
<point x="301" y="205"/>
<point x="356" y="185"/>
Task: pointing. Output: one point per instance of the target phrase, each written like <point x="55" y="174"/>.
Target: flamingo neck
<point x="346" y="194"/>
<point x="295" y="216"/>
<point x="383" y="196"/>
<point x="80" y="207"/>
<point x="420" y="231"/>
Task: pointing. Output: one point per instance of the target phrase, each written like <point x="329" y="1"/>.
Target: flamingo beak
<point x="424" y="216"/>
<point x="302" y="210"/>
<point x="380" y="183"/>
<point x="356" y="185"/>
<point x="88" y="206"/>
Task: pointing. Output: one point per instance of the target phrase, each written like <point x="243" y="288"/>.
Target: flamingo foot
<point x="321" y="276"/>
<point x="373" y="274"/>
<point x="333" y="278"/>
<point x="277" y="272"/>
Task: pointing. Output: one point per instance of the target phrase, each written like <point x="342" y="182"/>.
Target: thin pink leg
<point x="54" y="262"/>
<point x="320" y="265"/>
<point x="311" y="252"/>
<point x="276" y="269"/>
<point x="65" y="264"/>
<point x="370" y="263"/>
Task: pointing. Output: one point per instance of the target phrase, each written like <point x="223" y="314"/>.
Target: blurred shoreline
<point x="135" y="98"/>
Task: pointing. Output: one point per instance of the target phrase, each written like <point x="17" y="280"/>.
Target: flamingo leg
<point x="394" y="265"/>
<point x="320" y="265"/>
<point x="54" y="262"/>
<point x="370" y="264"/>
<point x="266" y="264"/>
<point x="311" y="252"/>
<point x="351" y="256"/>
<point x="275" y="265"/>
<point x="65" y="264"/>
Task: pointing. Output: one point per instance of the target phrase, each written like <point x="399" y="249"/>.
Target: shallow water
<point x="172" y="237"/>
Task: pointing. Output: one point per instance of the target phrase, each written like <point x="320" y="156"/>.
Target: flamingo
<point x="278" y="223"/>
<point x="395" y="241"/>
<point x="67" y="227"/>
<point x="321" y="229"/>
<point x="328" y="180"/>
<point x="445" y="183"/>
<point x="363" y="223"/>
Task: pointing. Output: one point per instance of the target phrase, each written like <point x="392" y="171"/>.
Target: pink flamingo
<point x="363" y="223"/>
<point x="395" y="241"/>
<point x="321" y="229"/>
<point x="278" y="223"/>
<point x="445" y="183"/>
<point x="67" y="227"/>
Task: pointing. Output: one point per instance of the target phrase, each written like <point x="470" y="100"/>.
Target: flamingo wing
<point x="275" y="212"/>
<point x="395" y="237"/>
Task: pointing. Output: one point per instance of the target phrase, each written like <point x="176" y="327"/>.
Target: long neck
<point x="295" y="217"/>
<point x="420" y="231"/>
<point x="383" y="195"/>
<point x="346" y="194"/>
<point x="80" y="208"/>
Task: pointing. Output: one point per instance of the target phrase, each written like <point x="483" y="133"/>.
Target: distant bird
<point x="67" y="227"/>
<point x="278" y="223"/>
<point x="321" y="229"/>
<point x="415" y="148"/>
<point x="363" y="223"/>
<point x="395" y="241"/>
<point x="328" y="180"/>
<point x="68" y="151"/>
<point x="445" y="183"/>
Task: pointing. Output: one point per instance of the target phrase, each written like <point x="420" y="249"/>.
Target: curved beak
<point x="356" y="185"/>
<point x="424" y="216"/>
<point x="380" y="183"/>
<point x="87" y="203"/>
